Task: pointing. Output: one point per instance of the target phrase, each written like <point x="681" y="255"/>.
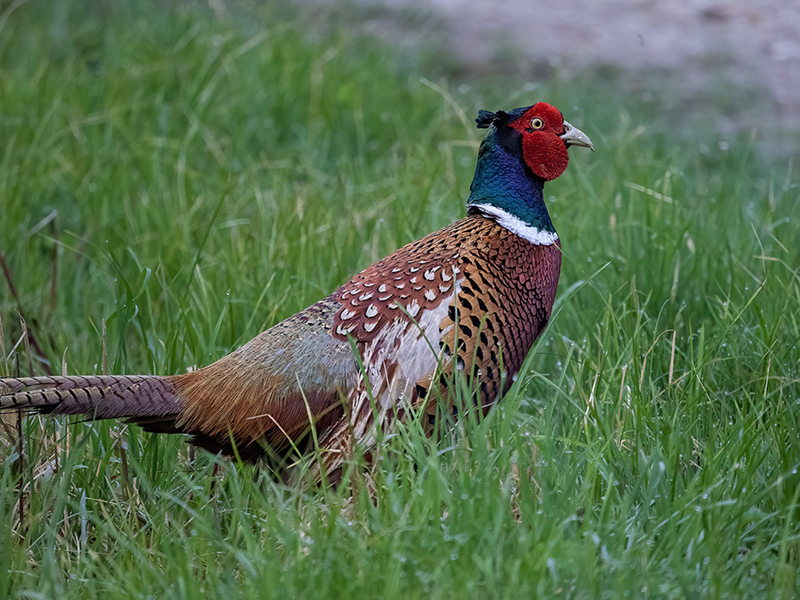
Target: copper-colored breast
<point x="498" y="289"/>
<point x="504" y="303"/>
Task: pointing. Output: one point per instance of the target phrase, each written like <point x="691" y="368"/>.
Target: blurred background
<point x="178" y="175"/>
<point x="741" y="57"/>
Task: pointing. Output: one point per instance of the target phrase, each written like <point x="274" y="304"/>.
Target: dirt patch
<point x="754" y="45"/>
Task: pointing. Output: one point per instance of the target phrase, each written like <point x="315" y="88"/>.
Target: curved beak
<point x="575" y="137"/>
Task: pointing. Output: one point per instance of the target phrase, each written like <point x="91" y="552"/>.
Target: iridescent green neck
<point x="503" y="183"/>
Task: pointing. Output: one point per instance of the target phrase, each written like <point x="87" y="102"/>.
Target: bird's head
<point x="539" y="134"/>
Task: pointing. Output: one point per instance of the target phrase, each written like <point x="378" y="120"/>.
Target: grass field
<point x="186" y="180"/>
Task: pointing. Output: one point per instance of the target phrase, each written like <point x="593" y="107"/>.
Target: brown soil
<point x="745" y="44"/>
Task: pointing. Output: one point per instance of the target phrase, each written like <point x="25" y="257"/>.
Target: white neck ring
<point x="517" y="226"/>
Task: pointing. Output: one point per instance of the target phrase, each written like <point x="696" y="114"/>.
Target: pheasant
<point x="471" y="297"/>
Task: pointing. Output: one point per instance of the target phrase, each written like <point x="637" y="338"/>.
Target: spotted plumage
<point x="470" y="298"/>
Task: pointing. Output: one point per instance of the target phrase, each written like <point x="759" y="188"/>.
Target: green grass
<point x="191" y="180"/>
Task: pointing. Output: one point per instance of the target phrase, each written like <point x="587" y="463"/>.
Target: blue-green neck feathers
<point x="504" y="182"/>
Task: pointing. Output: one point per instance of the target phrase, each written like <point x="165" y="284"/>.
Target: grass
<point x="185" y="180"/>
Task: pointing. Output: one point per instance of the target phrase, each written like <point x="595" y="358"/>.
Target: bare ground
<point x="693" y="44"/>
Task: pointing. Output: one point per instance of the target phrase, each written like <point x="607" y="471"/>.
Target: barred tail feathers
<point x="98" y="396"/>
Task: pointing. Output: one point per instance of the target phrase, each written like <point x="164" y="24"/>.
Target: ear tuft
<point x="485" y="119"/>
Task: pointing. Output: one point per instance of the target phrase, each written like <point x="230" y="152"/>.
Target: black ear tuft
<point x="485" y="119"/>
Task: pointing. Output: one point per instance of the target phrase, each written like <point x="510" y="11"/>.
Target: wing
<point x="394" y="311"/>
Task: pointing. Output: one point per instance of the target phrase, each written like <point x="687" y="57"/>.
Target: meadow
<point x="173" y="181"/>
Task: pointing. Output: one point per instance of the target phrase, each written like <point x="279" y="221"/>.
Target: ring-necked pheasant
<point x="470" y="297"/>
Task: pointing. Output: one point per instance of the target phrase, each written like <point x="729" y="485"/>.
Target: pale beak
<point x="575" y="137"/>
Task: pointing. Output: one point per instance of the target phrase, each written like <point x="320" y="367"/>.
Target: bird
<point x="386" y="346"/>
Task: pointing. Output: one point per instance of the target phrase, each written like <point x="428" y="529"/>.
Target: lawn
<point x="174" y="181"/>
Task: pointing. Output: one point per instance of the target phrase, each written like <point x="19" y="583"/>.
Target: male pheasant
<point x="470" y="297"/>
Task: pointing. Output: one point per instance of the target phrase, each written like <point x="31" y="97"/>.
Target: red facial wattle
<point x="544" y="151"/>
<point x="545" y="154"/>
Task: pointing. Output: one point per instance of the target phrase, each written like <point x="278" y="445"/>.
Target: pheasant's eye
<point x="536" y="123"/>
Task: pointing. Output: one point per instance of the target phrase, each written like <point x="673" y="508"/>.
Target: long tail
<point x="151" y="401"/>
<point x="99" y="397"/>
